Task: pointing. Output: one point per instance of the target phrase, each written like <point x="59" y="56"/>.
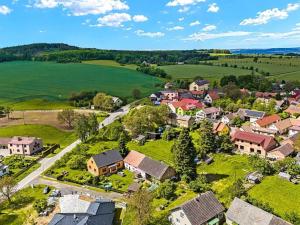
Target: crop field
<point x="111" y="63"/>
<point x="23" y="81"/>
<point x="208" y="72"/>
<point x="279" y="68"/>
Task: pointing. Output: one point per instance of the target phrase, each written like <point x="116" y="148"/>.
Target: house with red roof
<point x="267" y="121"/>
<point x="211" y="97"/>
<point x="186" y="107"/>
<point x="252" y="143"/>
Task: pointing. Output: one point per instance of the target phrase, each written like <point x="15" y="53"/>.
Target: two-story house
<point x="252" y="143"/>
<point x="208" y="113"/>
<point x="199" y="85"/>
<point x="24" y="145"/>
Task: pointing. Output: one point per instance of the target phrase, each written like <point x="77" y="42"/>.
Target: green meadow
<point x="24" y="81"/>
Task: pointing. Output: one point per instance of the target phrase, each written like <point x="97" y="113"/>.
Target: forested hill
<point x="63" y="53"/>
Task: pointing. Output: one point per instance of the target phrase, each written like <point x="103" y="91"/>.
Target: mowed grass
<point x="23" y="80"/>
<point x="211" y="73"/>
<point x="48" y="134"/>
<point x="159" y="150"/>
<point x="283" y="196"/>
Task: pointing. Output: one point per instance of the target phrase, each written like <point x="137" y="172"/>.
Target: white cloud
<point x="183" y="2"/>
<point x="175" y="28"/>
<point x="195" y="23"/>
<point x="297" y="27"/>
<point x="209" y="27"/>
<point x="149" y="34"/>
<point x="113" y="20"/>
<point x="4" y="10"/>
<point x="181" y="19"/>
<point x="208" y="36"/>
<point x="184" y="9"/>
<point x="139" y="18"/>
<point x="84" y="7"/>
<point x="266" y="16"/>
<point x="213" y="8"/>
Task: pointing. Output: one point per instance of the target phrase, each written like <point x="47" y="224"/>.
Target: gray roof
<point x="201" y="82"/>
<point x="154" y="168"/>
<point x="100" y="212"/>
<point x="244" y="213"/>
<point x="285" y="149"/>
<point x="107" y="158"/>
<point x="253" y="113"/>
<point x="202" y="209"/>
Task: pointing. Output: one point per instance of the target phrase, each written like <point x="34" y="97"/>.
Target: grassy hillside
<point x="110" y="63"/>
<point x="23" y="81"/>
<point x="208" y="72"/>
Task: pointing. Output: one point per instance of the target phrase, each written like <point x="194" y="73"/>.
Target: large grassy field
<point x="208" y="72"/>
<point x="49" y="134"/>
<point x="23" y="81"/>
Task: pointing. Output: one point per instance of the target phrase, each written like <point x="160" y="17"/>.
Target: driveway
<point x="46" y="163"/>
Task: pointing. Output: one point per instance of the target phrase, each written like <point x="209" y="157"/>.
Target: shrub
<point x="77" y="162"/>
<point x="199" y="185"/>
<point x="166" y="190"/>
<point x="40" y="205"/>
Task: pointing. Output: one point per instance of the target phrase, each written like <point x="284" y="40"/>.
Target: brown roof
<point x="4" y="141"/>
<point x="214" y="95"/>
<point x="218" y="127"/>
<point x="154" y="168"/>
<point x="285" y="149"/>
<point x="285" y="124"/>
<point x="292" y="109"/>
<point x="265" y="141"/>
<point x="211" y="110"/>
<point x="134" y="187"/>
<point x="202" y="208"/>
<point x="134" y="158"/>
<point x="268" y="120"/>
<point x="291" y="140"/>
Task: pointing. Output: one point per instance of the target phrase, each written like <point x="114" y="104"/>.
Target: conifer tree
<point x="206" y="138"/>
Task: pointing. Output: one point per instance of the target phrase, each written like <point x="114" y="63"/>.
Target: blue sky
<point x="152" y="24"/>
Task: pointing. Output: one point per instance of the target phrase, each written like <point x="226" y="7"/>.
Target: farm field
<point x="49" y="134"/>
<point x="211" y="73"/>
<point x="23" y="80"/>
<point x="111" y="63"/>
<point x="281" y="195"/>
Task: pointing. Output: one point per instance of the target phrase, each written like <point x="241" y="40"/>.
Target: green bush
<point x="199" y="185"/>
<point x="77" y="162"/>
<point x="40" y="205"/>
<point x="166" y="190"/>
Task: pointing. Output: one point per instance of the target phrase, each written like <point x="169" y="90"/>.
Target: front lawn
<point x="21" y="211"/>
<point x="283" y="196"/>
<point x="223" y="172"/>
<point x="159" y="150"/>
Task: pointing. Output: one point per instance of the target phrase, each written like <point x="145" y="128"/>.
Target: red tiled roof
<point x="214" y="95"/>
<point x="268" y="120"/>
<point x="188" y="104"/>
<point x="267" y="142"/>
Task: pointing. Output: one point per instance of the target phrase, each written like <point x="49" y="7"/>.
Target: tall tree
<point x="225" y="143"/>
<point x="103" y="102"/>
<point x="93" y="124"/>
<point x="67" y="117"/>
<point x="7" y="111"/>
<point x="184" y="156"/>
<point x="122" y="145"/>
<point x="206" y="138"/>
<point x="82" y="127"/>
<point x="141" y="205"/>
<point x="7" y="187"/>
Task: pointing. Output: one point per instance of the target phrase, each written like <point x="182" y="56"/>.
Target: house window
<point x="236" y="146"/>
<point x="259" y="152"/>
<point x="250" y="143"/>
<point x="251" y="149"/>
<point x="178" y="221"/>
<point x="18" y="150"/>
<point x="104" y="170"/>
<point x="90" y="167"/>
<point x="258" y="144"/>
<point x="241" y="147"/>
<point x="95" y="170"/>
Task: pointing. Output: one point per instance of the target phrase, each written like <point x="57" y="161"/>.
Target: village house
<point x="199" y="85"/>
<point x="108" y="162"/>
<point x="293" y="110"/>
<point x="228" y="118"/>
<point x="185" y="121"/>
<point x="202" y="210"/>
<point x="208" y="113"/>
<point x="267" y="121"/>
<point x="291" y="140"/>
<point x="77" y="210"/>
<point x="283" y="126"/>
<point x="266" y="95"/>
<point x="259" y="130"/>
<point x="252" y="143"/>
<point x="250" y="115"/>
<point x="211" y="97"/>
<point x="148" y="168"/>
<point x="156" y="97"/>
<point x="220" y="128"/>
<point x="186" y="107"/>
<point x="170" y="95"/>
<point x="281" y="152"/>
<point x="20" y="146"/>
<point x="243" y="213"/>
<point x="198" y="94"/>
<point x="117" y="102"/>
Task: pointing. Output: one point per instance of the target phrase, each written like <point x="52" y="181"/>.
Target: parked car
<point x="55" y="193"/>
<point x="46" y="190"/>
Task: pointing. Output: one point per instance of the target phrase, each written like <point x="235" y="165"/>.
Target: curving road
<point x="46" y="163"/>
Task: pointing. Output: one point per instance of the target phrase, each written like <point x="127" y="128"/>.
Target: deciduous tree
<point x="7" y="187"/>
<point x="67" y="117"/>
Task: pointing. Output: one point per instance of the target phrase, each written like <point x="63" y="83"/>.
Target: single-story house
<point x="252" y="143"/>
<point x="243" y="213"/>
<point x="211" y="97"/>
<point x="208" y="113"/>
<point x="267" y="121"/>
<point x="108" y="162"/>
<point x="281" y="152"/>
<point x="199" y="85"/>
<point x="74" y="210"/>
<point x="202" y="210"/>
<point x="250" y="115"/>
<point x="4" y="169"/>
<point x="133" y="160"/>
<point x="283" y="126"/>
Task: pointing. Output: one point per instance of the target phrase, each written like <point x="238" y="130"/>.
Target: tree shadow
<point x="8" y="218"/>
<point x="215" y="177"/>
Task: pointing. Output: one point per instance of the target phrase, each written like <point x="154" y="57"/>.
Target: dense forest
<point x="63" y="53"/>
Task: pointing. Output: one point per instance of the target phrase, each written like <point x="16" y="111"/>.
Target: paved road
<point x="69" y="189"/>
<point x="46" y="163"/>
